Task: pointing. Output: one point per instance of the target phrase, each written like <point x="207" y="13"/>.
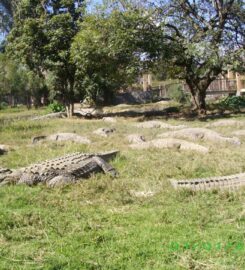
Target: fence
<point x="162" y="91"/>
<point x="218" y="87"/>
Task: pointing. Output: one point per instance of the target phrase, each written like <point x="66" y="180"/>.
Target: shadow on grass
<point x="173" y="112"/>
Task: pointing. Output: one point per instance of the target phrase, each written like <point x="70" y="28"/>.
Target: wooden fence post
<point x="239" y="84"/>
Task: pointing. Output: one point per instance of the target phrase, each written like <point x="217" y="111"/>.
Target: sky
<point x="92" y="4"/>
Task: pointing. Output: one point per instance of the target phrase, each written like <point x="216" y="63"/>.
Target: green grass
<point x="21" y="111"/>
<point x="101" y="223"/>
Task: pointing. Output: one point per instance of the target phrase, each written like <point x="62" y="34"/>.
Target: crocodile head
<point x="107" y="156"/>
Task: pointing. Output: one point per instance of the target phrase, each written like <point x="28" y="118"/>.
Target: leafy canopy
<point x="108" y="52"/>
<point x="41" y="39"/>
<point x="206" y="37"/>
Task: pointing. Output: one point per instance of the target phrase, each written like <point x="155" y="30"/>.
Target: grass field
<point x="136" y="221"/>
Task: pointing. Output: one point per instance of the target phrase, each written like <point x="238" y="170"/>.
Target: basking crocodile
<point x="231" y="182"/>
<point x="62" y="170"/>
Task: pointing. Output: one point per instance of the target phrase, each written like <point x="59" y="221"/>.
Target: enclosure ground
<point x="136" y="221"/>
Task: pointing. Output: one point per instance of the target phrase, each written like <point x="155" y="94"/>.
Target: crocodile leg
<point x="106" y="167"/>
<point x="61" y="180"/>
<point x="85" y="169"/>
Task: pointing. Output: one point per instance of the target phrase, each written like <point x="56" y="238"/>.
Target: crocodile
<point x="61" y="170"/>
<point x="231" y="182"/>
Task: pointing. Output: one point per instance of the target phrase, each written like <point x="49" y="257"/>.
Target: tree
<point x="41" y="37"/>
<point x="10" y="79"/>
<point x="9" y="5"/>
<point x="6" y="14"/>
<point x="203" y="37"/>
<point x="109" y="51"/>
<point x="19" y="83"/>
<point x="102" y="51"/>
<point x="3" y="88"/>
<point x="125" y="4"/>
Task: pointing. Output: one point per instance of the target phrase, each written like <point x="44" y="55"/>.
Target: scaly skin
<point x="60" y="170"/>
<point x="231" y="182"/>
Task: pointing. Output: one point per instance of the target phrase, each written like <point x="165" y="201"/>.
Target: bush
<point x="233" y="102"/>
<point x="3" y="105"/>
<point x="176" y="93"/>
<point x="56" y="107"/>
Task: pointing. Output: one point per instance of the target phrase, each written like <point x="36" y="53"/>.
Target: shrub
<point x="3" y="105"/>
<point x="233" y="102"/>
<point x="56" y="107"/>
<point x="176" y="93"/>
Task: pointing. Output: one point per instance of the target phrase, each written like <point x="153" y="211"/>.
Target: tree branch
<point x="175" y="29"/>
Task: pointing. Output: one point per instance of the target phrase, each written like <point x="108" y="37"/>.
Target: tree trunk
<point x="108" y="97"/>
<point x="198" y="92"/>
<point x="69" y="109"/>
<point x="12" y="101"/>
<point x="70" y="98"/>
<point x="28" y="101"/>
<point x="201" y="100"/>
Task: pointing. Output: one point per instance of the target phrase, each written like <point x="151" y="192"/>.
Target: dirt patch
<point x="142" y="194"/>
<point x="50" y="116"/>
<point x="109" y="119"/>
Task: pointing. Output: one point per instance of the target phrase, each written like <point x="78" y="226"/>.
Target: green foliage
<point x="11" y="80"/>
<point x="3" y="105"/>
<point x="56" y="107"/>
<point x="176" y="93"/>
<point x="203" y="39"/>
<point x="6" y="15"/>
<point x="107" y="52"/>
<point x="233" y="102"/>
<point x="19" y="83"/>
<point x="194" y="41"/>
<point x="41" y="39"/>
<point x="7" y="73"/>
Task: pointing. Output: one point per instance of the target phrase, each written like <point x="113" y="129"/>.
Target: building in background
<point x="240" y="81"/>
